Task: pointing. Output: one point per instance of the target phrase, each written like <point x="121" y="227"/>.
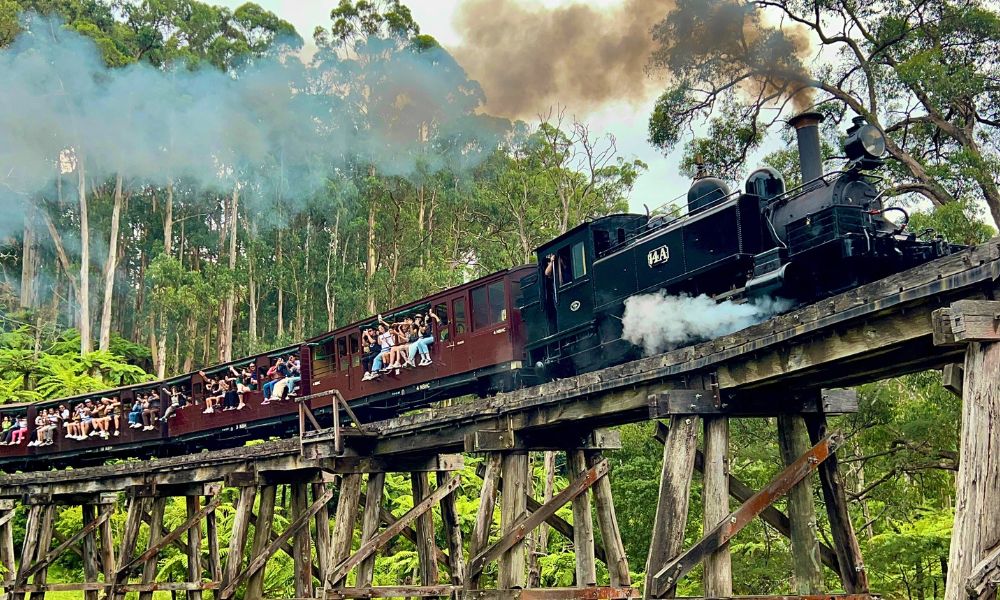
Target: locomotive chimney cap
<point x="805" y="119"/>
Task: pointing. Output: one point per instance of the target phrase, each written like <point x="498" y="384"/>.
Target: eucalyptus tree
<point x="923" y="71"/>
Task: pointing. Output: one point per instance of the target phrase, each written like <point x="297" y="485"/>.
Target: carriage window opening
<point x="458" y="310"/>
<point x="498" y="304"/>
<point x="354" y="345"/>
<point x="480" y="308"/>
<point x="488" y="305"/>
<point x="342" y="353"/>
<point x="572" y="261"/>
<point x="441" y="310"/>
<point x="621" y="235"/>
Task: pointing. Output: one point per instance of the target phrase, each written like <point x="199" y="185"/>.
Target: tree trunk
<point x="331" y="255"/>
<point x="226" y="335"/>
<point x="281" y="293"/>
<point x="86" y="344"/>
<point x="370" y="262"/>
<point x="110" y="266"/>
<point x="28" y="260"/>
<point x="168" y="234"/>
<point x="304" y="298"/>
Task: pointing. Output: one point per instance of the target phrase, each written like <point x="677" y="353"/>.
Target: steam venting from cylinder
<point x="807" y="131"/>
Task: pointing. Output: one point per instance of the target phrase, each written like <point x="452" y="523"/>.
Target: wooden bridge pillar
<point x="718" y="577"/>
<point x="8" y="510"/>
<point x="807" y="568"/>
<point x="974" y="556"/>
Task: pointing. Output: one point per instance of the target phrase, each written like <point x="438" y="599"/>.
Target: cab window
<point x="572" y="261"/>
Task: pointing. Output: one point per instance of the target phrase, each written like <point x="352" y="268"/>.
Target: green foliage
<point x="37" y="365"/>
<point x="926" y="78"/>
<point x="960" y="222"/>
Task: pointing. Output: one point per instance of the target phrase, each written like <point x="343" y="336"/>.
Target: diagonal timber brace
<point x="523" y="526"/>
<point x="46" y="560"/>
<point x="261" y="559"/>
<point x="743" y="492"/>
<point x="341" y="570"/>
<point x="174" y="535"/>
<point x="738" y="519"/>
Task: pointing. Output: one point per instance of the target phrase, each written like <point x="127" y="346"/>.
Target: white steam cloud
<point x="277" y="122"/>
<point x="660" y="322"/>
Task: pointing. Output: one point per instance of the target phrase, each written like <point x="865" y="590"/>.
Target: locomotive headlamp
<point x="865" y="144"/>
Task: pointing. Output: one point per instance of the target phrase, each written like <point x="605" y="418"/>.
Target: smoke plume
<point x="278" y="122"/>
<point x="660" y="322"/>
<point x="528" y="58"/>
<point x="726" y="41"/>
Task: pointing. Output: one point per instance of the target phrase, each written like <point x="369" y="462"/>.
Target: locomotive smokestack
<point x="807" y="131"/>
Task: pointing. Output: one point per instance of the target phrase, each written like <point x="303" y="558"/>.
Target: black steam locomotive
<point x="826" y="236"/>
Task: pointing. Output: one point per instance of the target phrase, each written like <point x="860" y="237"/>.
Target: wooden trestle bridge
<point x="942" y="315"/>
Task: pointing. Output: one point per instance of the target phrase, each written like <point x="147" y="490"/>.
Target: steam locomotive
<point x="562" y="315"/>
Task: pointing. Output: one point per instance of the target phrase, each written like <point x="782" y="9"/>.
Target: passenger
<point x="425" y="337"/>
<point x="290" y="376"/>
<point x="74" y="429"/>
<point x="135" y="415"/>
<point x="86" y="419"/>
<point x="369" y="349"/>
<point x="6" y="428"/>
<point x="406" y="334"/>
<point x="177" y="401"/>
<point x="273" y="376"/>
<point x="103" y="418"/>
<point x="99" y="418"/>
<point x="115" y="419"/>
<point x="41" y="427"/>
<point x="20" y="431"/>
<point x="214" y="393"/>
<point x="151" y="413"/>
<point x="232" y="397"/>
<point x="386" y="341"/>
<point x="53" y="427"/>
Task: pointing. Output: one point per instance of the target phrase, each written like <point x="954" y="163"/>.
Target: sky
<point x="627" y="123"/>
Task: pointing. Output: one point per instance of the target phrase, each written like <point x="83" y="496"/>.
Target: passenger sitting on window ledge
<point x="425" y="337"/>
<point x="135" y="415"/>
<point x="177" y="401"/>
<point x="151" y="412"/>
<point x="369" y="349"/>
<point x="214" y="393"/>
<point x="386" y="341"/>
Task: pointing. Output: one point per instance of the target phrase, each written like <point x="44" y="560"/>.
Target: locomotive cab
<point x="558" y="302"/>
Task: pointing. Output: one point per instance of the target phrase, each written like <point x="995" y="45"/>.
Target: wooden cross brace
<point x="46" y="560"/>
<point x="743" y="492"/>
<point x="261" y="559"/>
<point x="985" y="576"/>
<point x="340" y="571"/>
<point x="168" y="539"/>
<point x="526" y="524"/>
<point x="747" y="512"/>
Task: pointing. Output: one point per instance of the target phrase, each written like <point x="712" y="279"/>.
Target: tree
<point x="922" y="72"/>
